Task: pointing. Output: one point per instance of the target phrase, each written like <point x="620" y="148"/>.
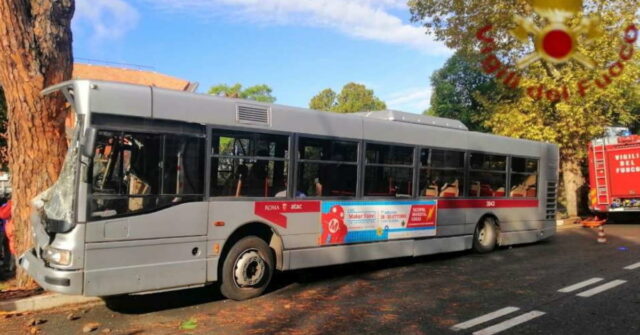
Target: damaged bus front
<point x="56" y="259"/>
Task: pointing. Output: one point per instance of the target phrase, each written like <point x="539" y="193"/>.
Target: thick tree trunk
<point x="35" y="52"/>
<point x="573" y="180"/>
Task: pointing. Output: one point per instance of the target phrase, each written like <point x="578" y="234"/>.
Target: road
<point x="510" y="291"/>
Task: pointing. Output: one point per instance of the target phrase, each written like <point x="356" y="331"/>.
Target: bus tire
<point x="485" y="236"/>
<point x="247" y="269"/>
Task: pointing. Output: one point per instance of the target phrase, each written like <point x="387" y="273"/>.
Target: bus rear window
<point x="524" y="177"/>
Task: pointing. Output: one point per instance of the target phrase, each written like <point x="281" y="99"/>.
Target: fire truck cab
<point x="614" y="172"/>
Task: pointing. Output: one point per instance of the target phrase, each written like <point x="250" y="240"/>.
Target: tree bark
<point x="35" y="52"/>
<point x="573" y="179"/>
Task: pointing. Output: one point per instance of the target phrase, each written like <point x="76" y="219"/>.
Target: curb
<point x="45" y="301"/>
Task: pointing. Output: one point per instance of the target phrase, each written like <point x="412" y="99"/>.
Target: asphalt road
<point x="473" y="293"/>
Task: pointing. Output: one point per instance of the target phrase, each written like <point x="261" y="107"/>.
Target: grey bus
<point x="164" y="190"/>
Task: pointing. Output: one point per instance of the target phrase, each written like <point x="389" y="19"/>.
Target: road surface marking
<point x="484" y="318"/>
<point x="504" y="325"/>
<point x="580" y="285"/>
<point x="601" y="288"/>
<point x="632" y="266"/>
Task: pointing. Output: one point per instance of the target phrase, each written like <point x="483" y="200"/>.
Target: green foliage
<point x="324" y="101"/>
<point x="353" y="98"/>
<point x="260" y="93"/>
<point x="571" y="123"/>
<point x="461" y="91"/>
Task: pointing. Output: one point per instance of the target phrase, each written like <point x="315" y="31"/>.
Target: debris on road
<point x="89" y="327"/>
<point x="72" y="317"/>
<point x="35" y="322"/>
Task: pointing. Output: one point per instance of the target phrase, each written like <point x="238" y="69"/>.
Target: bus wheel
<point x="485" y="236"/>
<point x="247" y="269"/>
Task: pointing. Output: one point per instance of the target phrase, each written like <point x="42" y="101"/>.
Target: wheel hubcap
<point x="249" y="268"/>
<point x="482" y="234"/>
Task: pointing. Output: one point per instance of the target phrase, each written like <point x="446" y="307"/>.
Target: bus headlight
<point x="57" y="256"/>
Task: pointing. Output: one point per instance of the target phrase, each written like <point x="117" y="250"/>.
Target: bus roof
<point x="383" y="126"/>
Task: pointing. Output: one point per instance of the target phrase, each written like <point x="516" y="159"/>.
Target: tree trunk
<point x="573" y="180"/>
<point x="35" y="52"/>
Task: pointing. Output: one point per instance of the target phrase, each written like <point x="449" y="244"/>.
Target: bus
<point x="163" y="190"/>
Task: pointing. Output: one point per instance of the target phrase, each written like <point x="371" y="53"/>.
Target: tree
<point x="353" y="98"/>
<point x="260" y="93"/>
<point x="35" y="53"/>
<point x="540" y="110"/>
<point x="324" y="101"/>
<point x="459" y="90"/>
<point x="3" y="131"/>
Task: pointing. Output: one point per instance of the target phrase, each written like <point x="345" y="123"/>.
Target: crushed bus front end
<point x="57" y="257"/>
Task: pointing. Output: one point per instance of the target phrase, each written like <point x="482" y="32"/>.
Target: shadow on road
<point x="148" y="303"/>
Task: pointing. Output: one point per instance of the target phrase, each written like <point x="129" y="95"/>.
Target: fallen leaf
<point x="89" y="327"/>
<point x="35" y="322"/>
<point x="189" y="324"/>
<point x="72" y="316"/>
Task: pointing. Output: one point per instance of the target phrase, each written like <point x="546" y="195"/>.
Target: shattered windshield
<point x="57" y="201"/>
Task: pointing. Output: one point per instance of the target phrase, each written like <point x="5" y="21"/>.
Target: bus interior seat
<point x="450" y="190"/>
<point x="499" y="192"/>
<point x="474" y="191"/>
<point x="486" y="190"/>
<point x="137" y="187"/>
<point x="431" y="191"/>
<point x="532" y="191"/>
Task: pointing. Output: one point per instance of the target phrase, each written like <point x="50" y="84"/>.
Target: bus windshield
<point x="57" y="201"/>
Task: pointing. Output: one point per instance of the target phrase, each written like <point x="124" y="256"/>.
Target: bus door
<point x="147" y="218"/>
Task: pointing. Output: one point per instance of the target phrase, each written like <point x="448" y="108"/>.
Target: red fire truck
<point x="614" y="172"/>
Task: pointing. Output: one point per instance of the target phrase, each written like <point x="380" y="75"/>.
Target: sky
<point x="298" y="47"/>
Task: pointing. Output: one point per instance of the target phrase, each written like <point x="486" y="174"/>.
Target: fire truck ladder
<point x="602" y="178"/>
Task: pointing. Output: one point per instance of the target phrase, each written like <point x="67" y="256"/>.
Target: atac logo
<point x="556" y="42"/>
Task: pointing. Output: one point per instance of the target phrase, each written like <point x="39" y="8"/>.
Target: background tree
<point x="260" y="93"/>
<point x="460" y="91"/>
<point x="570" y="124"/>
<point x="35" y="52"/>
<point x="353" y="98"/>
<point x="324" y="101"/>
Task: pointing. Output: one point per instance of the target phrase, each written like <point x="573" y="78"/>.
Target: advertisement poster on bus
<point x="368" y="221"/>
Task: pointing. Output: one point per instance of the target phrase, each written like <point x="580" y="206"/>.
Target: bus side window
<point x="126" y="173"/>
<point x="388" y="171"/>
<point x="327" y="168"/>
<point x="248" y="164"/>
<point x="487" y="175"/>
<point x="137" y="172"/>
<point x="524" y="178"/>
<point x="441" y="173"/>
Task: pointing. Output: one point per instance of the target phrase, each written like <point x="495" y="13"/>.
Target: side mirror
<point x="90" y="135"/>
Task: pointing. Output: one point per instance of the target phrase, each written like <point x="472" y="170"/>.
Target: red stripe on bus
<point x="486" y="203"/>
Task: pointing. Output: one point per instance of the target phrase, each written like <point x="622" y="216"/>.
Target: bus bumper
<point x="50" y="279"/>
